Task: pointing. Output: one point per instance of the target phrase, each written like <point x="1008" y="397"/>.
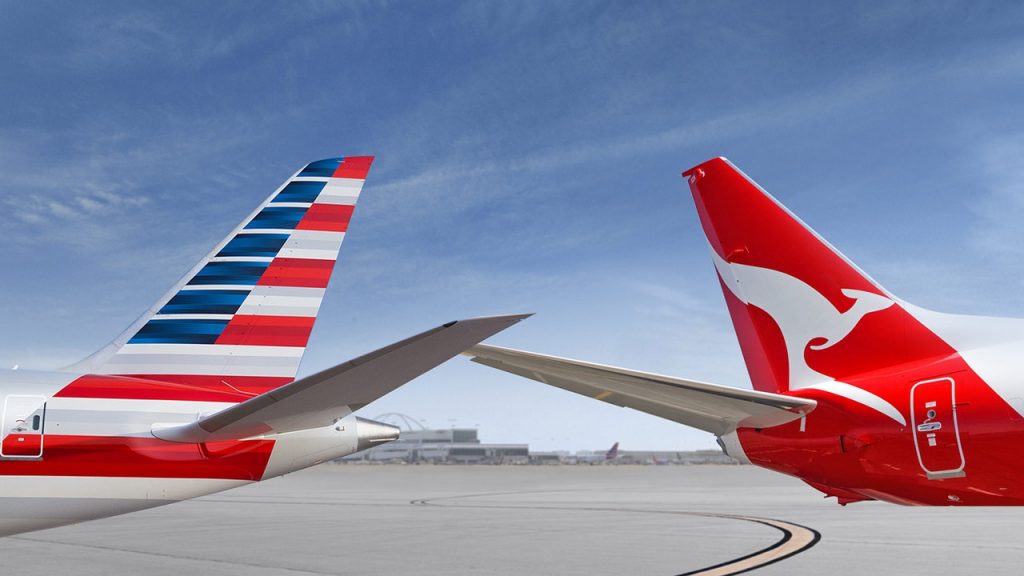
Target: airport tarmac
<point x="505" y="520"/>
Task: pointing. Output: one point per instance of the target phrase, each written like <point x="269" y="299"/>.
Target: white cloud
<point x="469" y="177"/>
<point x="1000" y="209"/>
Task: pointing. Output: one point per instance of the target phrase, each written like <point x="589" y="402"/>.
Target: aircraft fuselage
<point x="82" y="447"/>
<point x="957" y="445"/>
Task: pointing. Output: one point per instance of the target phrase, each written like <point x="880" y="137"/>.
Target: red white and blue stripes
<point x="242" y="317"/>
<point x="234" y="327"/>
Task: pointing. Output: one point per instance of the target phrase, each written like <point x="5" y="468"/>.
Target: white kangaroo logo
<point x="805" y="316"/>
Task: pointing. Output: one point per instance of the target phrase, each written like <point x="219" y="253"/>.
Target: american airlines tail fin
<point x="241" y="317"/>
<point x="612" y="453"/>
<point x="804" y="314"/>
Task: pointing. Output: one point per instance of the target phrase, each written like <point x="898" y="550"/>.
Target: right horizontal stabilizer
<point x="710" y="407"/>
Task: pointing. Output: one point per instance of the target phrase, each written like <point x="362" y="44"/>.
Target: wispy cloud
<point x="465" y="179"/>
<point x="1000" y="210"/>
<point x="142" y="37"/>
<point x="90" y="200"/>
<point x="127" y="38"/>
<point x="685" y="333"/>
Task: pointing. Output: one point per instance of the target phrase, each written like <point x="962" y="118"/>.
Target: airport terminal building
<point x="420" y="445"/>
<point x="444" y="446"/>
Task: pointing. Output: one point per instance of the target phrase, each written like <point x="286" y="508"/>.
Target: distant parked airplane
<point x="862" y="395"/>
<point x="199" y="394"/>
<point x="659" y="461"/>
<point x="612" y="453"/>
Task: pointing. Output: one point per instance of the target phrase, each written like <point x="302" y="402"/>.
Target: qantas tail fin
<point x="804" y="314"/>
<point x="241" y="317"/>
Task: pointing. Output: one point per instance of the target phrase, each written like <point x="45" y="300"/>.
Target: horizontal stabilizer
<point x="320" y="399"/>
<point x="710" y="407"/>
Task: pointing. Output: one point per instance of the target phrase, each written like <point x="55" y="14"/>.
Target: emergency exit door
<point x="936" y="433"/>
<point x="23" y="426"/>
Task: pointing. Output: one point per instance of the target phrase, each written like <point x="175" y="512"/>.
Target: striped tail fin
<point x="240" y="319"/>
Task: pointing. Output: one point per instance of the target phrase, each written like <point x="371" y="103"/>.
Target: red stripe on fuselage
<point x="267" y="330"/>
<point x="171" y="387"/>
<point x="326" y="218"/>
<point x="97" y="386"/>
<point x="111" y="456"/>
<point x="298" y="272"/>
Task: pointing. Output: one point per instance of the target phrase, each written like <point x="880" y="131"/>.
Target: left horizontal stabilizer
<point x="710" y="407"/>
<point x="321" y="399"/>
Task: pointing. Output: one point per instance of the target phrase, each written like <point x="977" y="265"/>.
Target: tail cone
<point x="372" y="433"/>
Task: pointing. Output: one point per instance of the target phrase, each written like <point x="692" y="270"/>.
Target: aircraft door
<point x="23" y="422"/>
<point x="936" y="433"/>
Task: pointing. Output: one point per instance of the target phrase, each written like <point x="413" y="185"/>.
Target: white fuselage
<point x="93" y="457"/>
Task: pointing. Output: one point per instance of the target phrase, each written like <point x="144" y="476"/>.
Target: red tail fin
<point x="803" y="313"/>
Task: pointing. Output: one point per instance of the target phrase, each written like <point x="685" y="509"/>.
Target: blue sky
<point x="528" y="160"/>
